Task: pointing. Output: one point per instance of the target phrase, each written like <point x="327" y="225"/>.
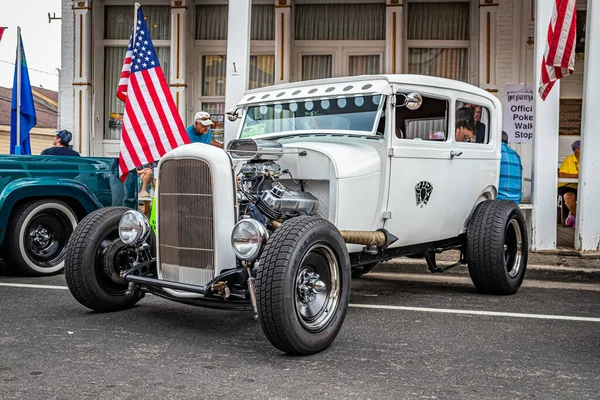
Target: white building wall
<point x="66" y="104"/>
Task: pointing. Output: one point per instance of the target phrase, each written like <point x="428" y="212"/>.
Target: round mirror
<point x="232" y="114"/>
<point x="413" y="101"/>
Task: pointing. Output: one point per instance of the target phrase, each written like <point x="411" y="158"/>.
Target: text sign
<point x="518" y="113"/>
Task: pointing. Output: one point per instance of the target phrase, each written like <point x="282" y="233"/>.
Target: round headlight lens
<point x="247" y="238"/>
<point x="133" y="227"/>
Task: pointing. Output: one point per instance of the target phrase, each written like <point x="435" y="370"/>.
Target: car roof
<point x="362" y="84"/>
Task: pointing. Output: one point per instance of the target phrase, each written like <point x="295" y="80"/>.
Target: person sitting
<point x="145" y="174"/>
<point x="479" y="126"/>
<point x="465" y="125"/>
<point x="510" y="186"/>
<point x="568" y="191"/>
<point x="200" y="131"/>
<point x="61" y="145"/>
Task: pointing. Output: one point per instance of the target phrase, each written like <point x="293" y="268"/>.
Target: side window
<point x="429" y="122"/>
<point x="472" y="123"/>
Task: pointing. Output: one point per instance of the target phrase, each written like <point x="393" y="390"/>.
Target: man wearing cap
<point x="568" y="191"/>
<point x="61" y="145"/>
<point x="200" y="131"/>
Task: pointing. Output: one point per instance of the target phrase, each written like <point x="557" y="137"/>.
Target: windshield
<point x="352" y="114"/>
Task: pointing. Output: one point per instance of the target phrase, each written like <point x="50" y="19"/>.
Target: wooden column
<point x="394" y="49"/>
<point x="283" y="41"/>
<point x="487" y="44"/>
<point x="82" y="77"/>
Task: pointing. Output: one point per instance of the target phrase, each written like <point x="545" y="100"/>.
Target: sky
<point x="41" y="41"/>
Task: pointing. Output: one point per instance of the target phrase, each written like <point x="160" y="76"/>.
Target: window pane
<point x="262" y="71"/>
<point x="263" y="23"/>
<point x="213" y="72"/>
<point x="217" y="115"/>
<point x="113" y="107"/>
<point x="316" y="67"/>
<point x="211" y="22"/>
<point x="339" y="22"/>
<point x="429" y="122"/>
<point x="118" y="21"/>
<point x="438" y="21"/>
<point x="364" y="65"/>
<point x="475" y="120"/>
<point x="444" y="63"/>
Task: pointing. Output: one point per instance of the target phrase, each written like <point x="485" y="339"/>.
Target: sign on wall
<point x="518" y="113"/>
<point x="570" y="117"/>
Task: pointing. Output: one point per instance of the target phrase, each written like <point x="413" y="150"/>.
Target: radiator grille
<point x="185" y="222"/>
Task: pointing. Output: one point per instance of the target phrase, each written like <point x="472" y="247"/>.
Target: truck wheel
<point x="359" y="271"/>
<point x="37" y="236"/>
<point x="303" y="285"/>
<point x="497" y="247"/>
<point x="90" y="264"/>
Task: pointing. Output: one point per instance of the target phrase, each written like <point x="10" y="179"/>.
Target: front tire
<point x="497" y="247"/>
<point x="303" y="285"/>
<point x="37" y="236"/>
<point x="90" y="270"/>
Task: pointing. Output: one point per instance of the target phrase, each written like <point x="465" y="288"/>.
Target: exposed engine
<point x="260" y="193"/>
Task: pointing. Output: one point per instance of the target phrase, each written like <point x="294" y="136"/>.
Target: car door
<point x="420" y="169"/>
<point x="475" y="165"/>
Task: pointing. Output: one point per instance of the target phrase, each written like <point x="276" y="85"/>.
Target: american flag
<point x="559" y="58"/>
<point x="2" y="29"/>
<point x="151" y="123"/>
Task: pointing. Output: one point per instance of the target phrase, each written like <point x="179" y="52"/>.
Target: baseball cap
<point x="576" y="144"/>
<point x="64" y="135"/>
<point x="204" y="118"/>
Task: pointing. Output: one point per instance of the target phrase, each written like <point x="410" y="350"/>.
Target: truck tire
<point x="359" y="271"/>
<point x="87" y="264"/>
<point x="497" y="247"/>
<point x="302" y="313"/>
<point x="37" y="236"/>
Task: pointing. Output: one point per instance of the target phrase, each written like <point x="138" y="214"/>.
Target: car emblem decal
<point x="423" y="192"/>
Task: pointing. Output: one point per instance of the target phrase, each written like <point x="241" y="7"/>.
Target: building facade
<point x="213" y="50"/>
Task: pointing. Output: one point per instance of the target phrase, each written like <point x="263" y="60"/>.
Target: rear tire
<point x="90" y="273"/>
<point x="295" y="316"/>
<point x="37" y="236"/>
<point x="497" y="247"/>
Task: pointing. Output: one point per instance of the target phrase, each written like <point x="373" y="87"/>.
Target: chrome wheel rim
<point x="317" y="288"/>
<point x="513" y="248"/>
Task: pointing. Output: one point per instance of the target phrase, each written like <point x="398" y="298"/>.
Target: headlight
<point x="133" y="227"/>
<point x="247" y="238"/>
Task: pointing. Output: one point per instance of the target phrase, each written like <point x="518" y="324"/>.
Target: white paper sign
<point x="518" y="113"/>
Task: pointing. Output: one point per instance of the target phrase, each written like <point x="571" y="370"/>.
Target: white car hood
<point x="350" y="159"/>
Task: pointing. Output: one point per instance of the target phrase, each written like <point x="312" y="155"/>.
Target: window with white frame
<point x="438" y="38"/>
<point x="211" y="41"/>
<point x="118" y="21"/>
<point x="338" y="39"/>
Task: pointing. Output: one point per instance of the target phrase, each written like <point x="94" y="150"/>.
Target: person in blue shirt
<point x="61" y="145"/>
<point x="511" y="173"/>
<point x="200" y="131"/>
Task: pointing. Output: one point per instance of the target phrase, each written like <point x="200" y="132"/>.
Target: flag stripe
<point x="175" y="120"/>
<point x="136" y="134"/>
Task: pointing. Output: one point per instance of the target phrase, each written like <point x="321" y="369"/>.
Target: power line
<point x="31" y="69"/>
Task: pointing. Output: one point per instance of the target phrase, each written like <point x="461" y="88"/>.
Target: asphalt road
<point x="52" y="347"/>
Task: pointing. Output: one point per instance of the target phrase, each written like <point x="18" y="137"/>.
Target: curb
<point x="556" y="273"/>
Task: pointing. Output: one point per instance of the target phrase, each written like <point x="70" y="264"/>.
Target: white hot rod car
<point x="324" y="180"/>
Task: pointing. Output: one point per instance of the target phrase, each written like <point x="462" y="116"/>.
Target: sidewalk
<point x="540" y="266"/>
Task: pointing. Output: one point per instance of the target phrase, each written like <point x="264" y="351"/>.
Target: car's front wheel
<point x="303" y="285"/>
<point x="95" y="255"/>
<point x="497" y="247"/>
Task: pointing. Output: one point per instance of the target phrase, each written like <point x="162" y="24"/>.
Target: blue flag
<point x="28" y="118"/>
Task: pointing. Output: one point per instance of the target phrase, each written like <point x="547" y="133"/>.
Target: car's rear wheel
<point x="37" y="236"/>
<point x="497" y="247"/>
<point x="95" y="255"/>
<point x="303" y="285"/>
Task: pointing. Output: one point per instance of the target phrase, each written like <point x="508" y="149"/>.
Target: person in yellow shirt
<point x="568" y="191"/>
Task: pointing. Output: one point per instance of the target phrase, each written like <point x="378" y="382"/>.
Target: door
<point x="420" y="170"/>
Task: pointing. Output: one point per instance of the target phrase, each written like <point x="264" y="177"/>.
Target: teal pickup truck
<point x="43" y="197"/>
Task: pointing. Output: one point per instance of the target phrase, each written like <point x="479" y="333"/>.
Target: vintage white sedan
<point x="324" y="180"/>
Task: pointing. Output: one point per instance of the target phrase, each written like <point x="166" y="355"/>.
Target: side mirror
<point x="413" y="101"/>
<point x="232" y="114"/>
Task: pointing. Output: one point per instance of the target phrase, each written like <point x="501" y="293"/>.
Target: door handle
<point x="453" y="154"/>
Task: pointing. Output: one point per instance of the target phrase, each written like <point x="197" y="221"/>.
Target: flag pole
<point x="18" y="66"/>
<point x="137" y="5"/>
